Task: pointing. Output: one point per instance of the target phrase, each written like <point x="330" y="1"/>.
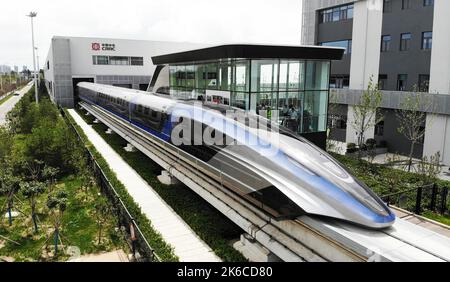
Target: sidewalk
<point x="187" y="245"/>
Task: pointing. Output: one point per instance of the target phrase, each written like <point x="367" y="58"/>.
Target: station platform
<point x="187" y="245"/>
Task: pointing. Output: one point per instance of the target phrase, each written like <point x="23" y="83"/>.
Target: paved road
<point x="9" y="105"/>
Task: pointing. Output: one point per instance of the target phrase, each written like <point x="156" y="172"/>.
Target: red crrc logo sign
<point x="96" y="46"/>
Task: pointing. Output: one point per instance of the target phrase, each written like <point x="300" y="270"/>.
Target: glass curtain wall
<point x="298" y="89"/>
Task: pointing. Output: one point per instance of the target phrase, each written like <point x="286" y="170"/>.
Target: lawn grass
<point x="4" y="99"/>
<point x="444" y="219"/>
<point x="79" y="228"/>
<point x="210" y="225"/>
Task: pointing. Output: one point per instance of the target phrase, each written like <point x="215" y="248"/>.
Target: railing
<point x="135" y="238"/>
<point x="429" y="197"/>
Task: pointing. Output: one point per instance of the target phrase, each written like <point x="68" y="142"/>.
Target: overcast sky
<point x="202" y="21"/>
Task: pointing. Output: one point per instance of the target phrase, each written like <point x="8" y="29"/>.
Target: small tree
<point x="429" y="168"/>
<point x="9" y="186"/>
<point x="412" y="116"/>
<point x="365" y="112"/>
<point x="102" y="211"/>
<point x="57" y="205"/>
<point x="31" y="190"/>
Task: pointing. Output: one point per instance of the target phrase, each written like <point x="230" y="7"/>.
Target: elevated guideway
<point x="304" y="239"/>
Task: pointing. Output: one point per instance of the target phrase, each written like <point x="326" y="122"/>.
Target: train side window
<point x="146" y="111"/>
<point x="154" y="114"/>
<point x="140" y="108"/>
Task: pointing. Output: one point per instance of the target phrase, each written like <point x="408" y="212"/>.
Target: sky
<point x="197" y="21"/>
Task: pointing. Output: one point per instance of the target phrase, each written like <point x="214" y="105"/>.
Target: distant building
<point x="400" y="44"/>
<point x="118" y="62"/>
<point x="5" y="69"/>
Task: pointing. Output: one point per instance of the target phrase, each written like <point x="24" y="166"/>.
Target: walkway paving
<point x="6" y="107"/>
<point x="383" y="158"/>
<point x="422" y="221"/>
<point x="115" y="256"/>
<point x="187" y="245"/>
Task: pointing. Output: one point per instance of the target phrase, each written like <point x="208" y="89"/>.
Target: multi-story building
<point x="118" y="62"/>
<point x="401" y="44"/>
<point x="5" y="69"/>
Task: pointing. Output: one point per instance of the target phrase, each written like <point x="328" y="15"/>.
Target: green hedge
<point x="161" y="248"/>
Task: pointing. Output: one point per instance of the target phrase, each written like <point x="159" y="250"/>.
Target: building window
<point x="340" y="81"/>
<point x="100" y="60"/>
<point x="386" y="43"/>
<point x="337" y="122"/>
<point x="382" y="81"/>
<point x="347" y="44"/>
<point x="427" y="3"/>
<point x="402" y="79"/>
<point x="143" y="87"/>
<point x="424" y="82"/>
<point x="387" y="6"/>
<point x="406" y="4"/>
<point x="336" y="14"/>
<point x="48" y="65"/>
<point x="137" y="61"/>
<point x="379" y="128"/>
<point x="118" y="60"/>
<point x="427" y="40"/>
<point x="121" y="61"/>
<point x="405" y="41"/>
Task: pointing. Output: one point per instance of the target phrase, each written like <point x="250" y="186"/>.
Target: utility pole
<point x="32" y="15"/>
<point x="38" y="69"/>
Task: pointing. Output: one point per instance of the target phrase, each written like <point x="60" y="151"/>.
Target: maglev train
<point x="296" y="179"/>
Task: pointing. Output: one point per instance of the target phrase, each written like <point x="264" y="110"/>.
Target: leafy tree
<point x="412" y="116"/>
<point x="102" y="211"/>
<point x="57" y="203"/>
<point x="365" y="112"/>
<point x="31" y="191"/>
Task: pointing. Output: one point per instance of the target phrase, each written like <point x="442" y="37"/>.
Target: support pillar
<point x="167" y="179"/>
<point x="437" y="127"/>
<point x="254" y="251"/>
<point x="365" y="63"/>
<point x="130" y="148"/>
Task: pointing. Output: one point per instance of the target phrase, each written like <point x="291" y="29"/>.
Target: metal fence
<point x="429" y="197"/>
<point x="136" y="240"/>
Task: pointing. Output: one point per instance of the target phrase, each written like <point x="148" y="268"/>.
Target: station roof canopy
<point x="246" y="51"/>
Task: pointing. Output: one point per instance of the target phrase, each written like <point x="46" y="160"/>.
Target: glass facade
<point x="297" y="89"/>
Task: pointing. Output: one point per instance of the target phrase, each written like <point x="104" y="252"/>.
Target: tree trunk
<point x="9" y="215"/>
<point x="56" y="239"/>
<point x="33" y="216"/>
<point x="411" y="152"/>
<point x="100" y="235"/>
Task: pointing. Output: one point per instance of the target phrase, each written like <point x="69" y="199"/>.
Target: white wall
<point x="365" y="62"/>
<point x="437" y="135"/>
<point x="81" y="52"/>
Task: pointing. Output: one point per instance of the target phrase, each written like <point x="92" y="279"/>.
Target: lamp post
<point x="33" y="15"/>
<point x="37" y="64"/>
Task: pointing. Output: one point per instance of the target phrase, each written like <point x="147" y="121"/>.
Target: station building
<point x="118" y="62"/>
<point x="292" y="80"/>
